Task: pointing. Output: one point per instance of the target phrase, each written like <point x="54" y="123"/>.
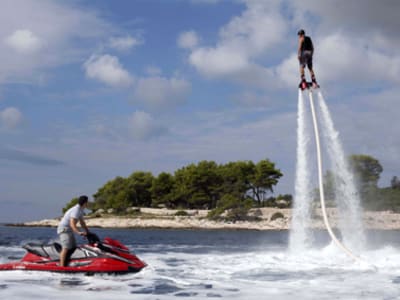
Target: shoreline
<point x="267" y="219"/>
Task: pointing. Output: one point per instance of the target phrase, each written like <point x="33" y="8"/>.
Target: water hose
<point x="321" y="186"/>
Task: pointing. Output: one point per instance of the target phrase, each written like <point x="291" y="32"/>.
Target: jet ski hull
<point x="110" y="256"/>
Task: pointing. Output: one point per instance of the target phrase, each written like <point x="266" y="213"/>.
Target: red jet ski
<point x="108" y="256"/>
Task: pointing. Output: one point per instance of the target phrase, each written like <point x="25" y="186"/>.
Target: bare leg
<point x="312" y="74"/>
<point x="63" y="256"/>
<point x="302" y="76"/>
<point x="313" y="80"/>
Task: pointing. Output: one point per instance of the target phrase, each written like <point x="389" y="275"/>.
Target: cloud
<point x="242" y="41"/>
<point x="24" y="41"/>
<point x="124" y="43"/>
<point x="188" y="39"/>
<point x="10" y="117"/>
<point x="153" y="71"/>
<point x="107" y="69"/>
<point x="56" y="33"/>
<point x="340" y="57"/>
<point x="160" y="92"/>
<point x="353" y="60"/>
<point x="143" y="126"/>
<point x="215" y="62"/>
<point x="25" y="157"/>
<point x="355" y="42"/>
<point x="356" y="18"/>
<point x="252" y="98"/>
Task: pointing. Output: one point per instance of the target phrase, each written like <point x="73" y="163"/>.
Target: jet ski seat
<point x="51" y="251"/>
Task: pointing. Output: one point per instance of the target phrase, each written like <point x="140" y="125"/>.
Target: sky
<point x="91" y="90"/>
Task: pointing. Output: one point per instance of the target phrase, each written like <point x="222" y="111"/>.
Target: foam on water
<point x="324" y="273"/>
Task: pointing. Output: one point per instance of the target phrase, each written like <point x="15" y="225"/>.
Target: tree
<point x="139" y="188"/>
<point x="106" y="195"/>
<point x="237" y="177"/>
<point x="161" y="190"/>
<point x="197" y="185"/>
<point x="395" y="183"/>
<point x="367" y="170"/>
<point x="264" y="178"/>
<point x="231" y="208"/>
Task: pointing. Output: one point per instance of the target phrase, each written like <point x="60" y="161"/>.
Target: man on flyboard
<point x="305" y="53"/>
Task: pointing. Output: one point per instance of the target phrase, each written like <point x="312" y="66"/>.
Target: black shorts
<point x="306" y="59"/>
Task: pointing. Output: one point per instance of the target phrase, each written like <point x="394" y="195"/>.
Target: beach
<point x="265" y="219"/>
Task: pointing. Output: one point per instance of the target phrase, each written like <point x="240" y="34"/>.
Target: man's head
<point x="83" y="200"/>
<point x="301" y="32"/>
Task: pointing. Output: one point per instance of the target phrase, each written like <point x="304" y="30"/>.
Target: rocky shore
<point x="265" y="219"/>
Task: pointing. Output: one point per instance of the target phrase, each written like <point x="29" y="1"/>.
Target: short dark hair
<point x="301" y="32"/>
<point x="83" y="199"/>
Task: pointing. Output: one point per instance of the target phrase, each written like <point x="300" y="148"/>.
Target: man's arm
<point x="312" y="47"/>
<point x="72" y="223"/>
<point x="83" y="225"/>
<point x="301" y="39"/>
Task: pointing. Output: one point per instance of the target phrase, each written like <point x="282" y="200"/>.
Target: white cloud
<point x="24" y="41"/>
<point x="10" y="117"/>
<point x="107" y="69"/>
<point x="253" y="47"/>
<point x="340" y="57"/>
<point x="251" y="98"/>
<point x="356" y="18"/>
<point x="57" y="33"/>
<point x="153" y="71"/>
<point x="348" y="58"/>
<point x="246" y="38"/>
<point x="188" y="39"/>
<point x="160" y="92"/>
<point x="143" y="126"/>
<point x="124" y="43"/>
<point x="213" y="62"/>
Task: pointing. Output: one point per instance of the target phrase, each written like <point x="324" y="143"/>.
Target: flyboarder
<point x="305" y="53"/>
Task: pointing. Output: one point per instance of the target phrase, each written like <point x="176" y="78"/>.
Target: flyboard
<point x="310" y="89"/>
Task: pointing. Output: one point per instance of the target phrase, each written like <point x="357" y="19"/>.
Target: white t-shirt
<point x="75" y="212"/>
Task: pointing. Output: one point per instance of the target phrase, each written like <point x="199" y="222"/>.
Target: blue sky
<point x="90" y="90"/>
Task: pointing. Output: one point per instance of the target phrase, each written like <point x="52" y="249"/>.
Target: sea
<point x="214" y="264"/>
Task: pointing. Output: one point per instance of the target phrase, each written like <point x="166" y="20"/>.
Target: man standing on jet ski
<point x="68" y="226"/>
<point x="305" y="53"/>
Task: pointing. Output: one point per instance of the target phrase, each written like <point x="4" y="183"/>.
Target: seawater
<point x="214" y="264"/>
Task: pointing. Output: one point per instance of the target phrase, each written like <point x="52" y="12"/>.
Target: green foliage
<point x="181" y="213"/>
<point x="366" y="169"/>
<point x="382" y="199"/>
<point x="195" y="186"/>
<point x="277" y="215"/>
<point x="231" y="208"/>
<point x="139" y="185"/>
<point x="121" y="193"/>
<point x="395" y="183"/>
<point x="263" y="179"/>
<point x="161" y="190"/>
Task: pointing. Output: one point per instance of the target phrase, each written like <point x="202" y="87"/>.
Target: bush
<point x="181" y="213"/>
<point x="230" y="208"/>
<point x="277" y="215"/>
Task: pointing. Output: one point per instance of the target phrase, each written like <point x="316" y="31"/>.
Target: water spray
<point x="321" y="186"/>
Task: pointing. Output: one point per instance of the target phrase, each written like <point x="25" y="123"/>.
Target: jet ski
<point x="107" y="256"/>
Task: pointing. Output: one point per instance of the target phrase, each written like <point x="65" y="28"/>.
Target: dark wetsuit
<point x="306" y="55"/>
